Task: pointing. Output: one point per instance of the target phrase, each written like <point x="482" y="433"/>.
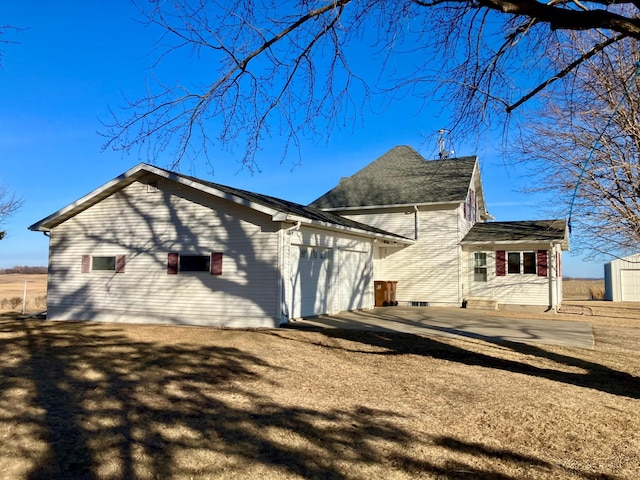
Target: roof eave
<point x="397" y="205"/>
<point x="564" y="243"/>
<point x="127" y="178"/>
<point x="343" y="228"/>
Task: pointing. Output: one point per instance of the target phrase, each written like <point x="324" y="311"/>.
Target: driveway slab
<point x="457" y="322"/>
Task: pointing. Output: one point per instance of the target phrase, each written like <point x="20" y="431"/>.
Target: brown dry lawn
<point x="85" y="400"/>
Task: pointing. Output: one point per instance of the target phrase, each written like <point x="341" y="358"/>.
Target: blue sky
<point x="76" y="59"/>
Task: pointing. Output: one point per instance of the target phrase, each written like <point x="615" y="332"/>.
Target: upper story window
<point x="470" y="206"/>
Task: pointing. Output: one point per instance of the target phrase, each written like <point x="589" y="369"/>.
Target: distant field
<point x="12" y="285"/>
<point x="578" y="289"/>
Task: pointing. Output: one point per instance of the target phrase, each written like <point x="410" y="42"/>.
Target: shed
<point x="622" y="279"/>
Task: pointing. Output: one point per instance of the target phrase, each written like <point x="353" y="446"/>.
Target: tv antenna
<point x="445" y="147"/>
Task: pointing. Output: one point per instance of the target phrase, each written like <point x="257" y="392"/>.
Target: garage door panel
<point x="309" y="280"/>
<point x="354" y="280"/>
<point x="630" y="285"/>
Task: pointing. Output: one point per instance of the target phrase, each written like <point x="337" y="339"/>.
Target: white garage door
<point x="630" y="285"/>
<point x="309" y="280"/>
<point x="354" y="280"/>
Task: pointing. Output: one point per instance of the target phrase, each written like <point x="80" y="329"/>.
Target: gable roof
<point x="280" y="210"/>
<point x="402" y="177"/>
<point x="527" y="231"/>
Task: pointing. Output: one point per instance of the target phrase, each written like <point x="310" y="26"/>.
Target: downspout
<point x="296" y="227"/>
<point x="415" y="222"/>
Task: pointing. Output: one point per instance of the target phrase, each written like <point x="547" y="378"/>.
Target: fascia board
<point x="563" y="243"/>
<point x="212" y="191"/>
<point x="351" y="230"/>
<point x="88" y="200"/>
<point x="398" y="205"/>
<point x="127" y="178"/>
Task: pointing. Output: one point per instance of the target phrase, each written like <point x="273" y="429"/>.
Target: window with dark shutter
<point x="501" y="263"/>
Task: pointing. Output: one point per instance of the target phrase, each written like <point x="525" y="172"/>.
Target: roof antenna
<point x="442" y="144"/>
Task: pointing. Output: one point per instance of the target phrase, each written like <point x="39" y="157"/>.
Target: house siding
<point x="510" y="288"/>
<point x="428" y="271"/>
<point x="145" y="224"/>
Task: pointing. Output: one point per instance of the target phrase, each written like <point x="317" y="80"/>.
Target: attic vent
<point x="152" y="187"/>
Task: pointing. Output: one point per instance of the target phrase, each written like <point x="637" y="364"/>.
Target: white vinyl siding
<point x="428" y="271"/>
<point x="512" y="288"/>
<point x="147" y="226"/>
<point x="622" y="279"/>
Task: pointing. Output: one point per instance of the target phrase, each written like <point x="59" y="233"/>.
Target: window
<point x="178" y="263"/>
<point x="470" y="206"/>
<point x="521" y="262"/>
<point x="480" y="267"/>
<point x="529" y="262"/>
<point x="513" y="265"/>
<point x="103" y="263"/>
<point x="195" y="263"/>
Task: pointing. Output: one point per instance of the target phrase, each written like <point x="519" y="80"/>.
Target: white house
<point x="457" y="256"/>
<point x="155" y="246"/>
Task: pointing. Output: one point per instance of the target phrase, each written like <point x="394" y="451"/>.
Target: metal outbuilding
<point x="622" y="279"/>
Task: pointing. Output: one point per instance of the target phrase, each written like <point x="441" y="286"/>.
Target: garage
<point x="309" y="280"/>
<point x="630" y="285"/>
<point x="622" y="279"/>
<point x="354" y="280"/>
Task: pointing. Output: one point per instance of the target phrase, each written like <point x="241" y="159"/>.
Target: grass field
<point x="12" y="286"/>
<point x="83" y="400"/>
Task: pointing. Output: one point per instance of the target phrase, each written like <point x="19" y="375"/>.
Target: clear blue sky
<point x="76" y="59"/>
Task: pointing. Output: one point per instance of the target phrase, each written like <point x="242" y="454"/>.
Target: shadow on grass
<point x="595" y="376"/>
<point x="91" y="402"/>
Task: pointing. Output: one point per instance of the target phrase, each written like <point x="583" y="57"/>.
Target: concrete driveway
<point x="458" y="322"/>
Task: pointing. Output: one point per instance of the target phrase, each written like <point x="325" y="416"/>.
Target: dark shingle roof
<point x="402" y="177"/>
<point x="521" y="231"/>
<point x="290" y="208"/>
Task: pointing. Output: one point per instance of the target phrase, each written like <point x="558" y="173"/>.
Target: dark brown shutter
<point x="120" y="263"/>
<point x="543" y="263"/>
<point x="86" y="263"/>
<point x="558" y="264"/>
<point x="216" y="263"/>
<point x="501" y="263"/>
<point x="172" y="264"/>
